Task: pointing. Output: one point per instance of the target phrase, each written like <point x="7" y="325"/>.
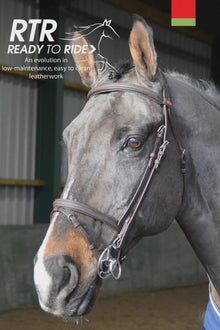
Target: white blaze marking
<point x="67" y="187"/>
<point x="42" y="278"/>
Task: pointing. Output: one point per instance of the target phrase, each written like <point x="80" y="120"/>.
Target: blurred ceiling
<point x="159" y="11"/>
<point x="207" y="13"/>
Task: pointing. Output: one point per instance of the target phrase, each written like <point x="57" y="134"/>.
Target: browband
<point x="120" y="87"/>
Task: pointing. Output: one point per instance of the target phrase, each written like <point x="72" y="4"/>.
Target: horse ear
<point x="142" y="48"/>
<point x="85" y="60"/>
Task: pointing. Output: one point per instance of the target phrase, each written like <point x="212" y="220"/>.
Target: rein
<point x="111" y="258"/>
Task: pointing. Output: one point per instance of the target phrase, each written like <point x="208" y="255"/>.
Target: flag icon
<point x="183" y="12"/>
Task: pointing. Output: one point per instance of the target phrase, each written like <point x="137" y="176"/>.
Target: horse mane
<point x="207" y="88"/>
<point x="211" y="91"/>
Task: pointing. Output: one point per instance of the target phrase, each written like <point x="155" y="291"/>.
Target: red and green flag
<point x="183" y="12"/>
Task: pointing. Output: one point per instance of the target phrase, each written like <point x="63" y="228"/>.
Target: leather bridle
<point x="111" y="257"/>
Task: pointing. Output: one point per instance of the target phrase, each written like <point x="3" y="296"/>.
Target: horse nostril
<point x="66" y="278"/>
<point x="70" y="276"/>
<point x="64" y="275"/>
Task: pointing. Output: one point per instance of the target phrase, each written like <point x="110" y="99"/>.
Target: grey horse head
<point x="108" y="148"/>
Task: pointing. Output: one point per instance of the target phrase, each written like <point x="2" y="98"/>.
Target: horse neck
<point x="193" y="111"/>
<point x="196" y="121"/>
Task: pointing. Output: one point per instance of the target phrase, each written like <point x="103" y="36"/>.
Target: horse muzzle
<point x="60" y="288"/>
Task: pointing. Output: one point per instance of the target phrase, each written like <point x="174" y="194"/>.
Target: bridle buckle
<point x="161" y="152"/>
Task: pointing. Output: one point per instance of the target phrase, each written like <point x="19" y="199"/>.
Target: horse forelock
<point x="125" y="72"/>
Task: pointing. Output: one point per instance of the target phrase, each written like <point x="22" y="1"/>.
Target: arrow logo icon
<point x="92" y="49"/>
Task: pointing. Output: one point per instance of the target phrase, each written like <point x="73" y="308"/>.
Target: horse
<point x="143" y="151"/>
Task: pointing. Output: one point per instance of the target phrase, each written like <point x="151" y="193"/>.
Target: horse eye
<point x="133" y="143"/>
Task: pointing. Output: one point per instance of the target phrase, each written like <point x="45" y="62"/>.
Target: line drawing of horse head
<point x="106" y="31"/>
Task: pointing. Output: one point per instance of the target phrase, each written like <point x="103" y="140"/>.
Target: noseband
<point x="111" y="258"/>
